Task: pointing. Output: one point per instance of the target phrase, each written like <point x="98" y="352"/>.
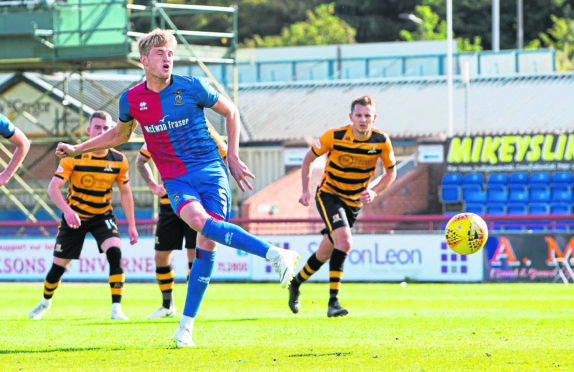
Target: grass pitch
<point x="248" y="327"/>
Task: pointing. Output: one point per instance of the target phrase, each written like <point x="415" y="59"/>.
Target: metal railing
<point x="366" y="225"/>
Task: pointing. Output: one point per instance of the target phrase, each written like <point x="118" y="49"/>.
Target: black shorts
<point x="170" y="231"/>
<point x="334" y="212"/>
<point x="69" y="242"/>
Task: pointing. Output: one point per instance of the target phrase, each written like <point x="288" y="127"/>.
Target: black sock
<point x="336" y="264"/>
<point x="311" y="267"/>
<point x="117" y="276"/>
<point x="165" y="279"/>
<point x="52" y="280"/>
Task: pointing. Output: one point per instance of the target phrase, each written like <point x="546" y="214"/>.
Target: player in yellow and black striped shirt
<point x="88" y="208"/>
<point x="169" y="232"/>
<point x="353" y="152"/>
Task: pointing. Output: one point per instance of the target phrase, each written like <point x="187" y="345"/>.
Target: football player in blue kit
<point x="170" y="110"/>
<point x="18" y="139"/>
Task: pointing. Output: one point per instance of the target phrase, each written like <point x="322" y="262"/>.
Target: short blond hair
<point x="154" y="39"/>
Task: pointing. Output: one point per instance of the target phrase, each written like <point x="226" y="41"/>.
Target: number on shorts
<point x="111" y="225"/>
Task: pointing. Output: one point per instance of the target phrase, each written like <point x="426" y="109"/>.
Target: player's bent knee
<point x="195" y="217"/>
<point x="206" y="244"/>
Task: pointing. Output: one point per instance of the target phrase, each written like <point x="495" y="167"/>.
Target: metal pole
<point x="449" y="65"/>
<point x="235" y="42"/>
<point x="465" y="78"/>
<point x="520" y="26"/>
<point x="496" y="25"/>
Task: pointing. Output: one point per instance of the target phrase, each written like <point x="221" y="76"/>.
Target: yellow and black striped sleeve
<point x="324" y="144"/>
<point x="387" y="153"/>
<point x="144" y="152"/>
<point x="65" y="168"/>
<point x="123" y="175"/>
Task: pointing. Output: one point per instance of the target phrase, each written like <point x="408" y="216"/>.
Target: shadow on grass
<point x="61" y="349"/>
<point x="307" y="355"/>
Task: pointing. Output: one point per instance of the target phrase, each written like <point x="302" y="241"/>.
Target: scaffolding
<point x="68" y="39"/>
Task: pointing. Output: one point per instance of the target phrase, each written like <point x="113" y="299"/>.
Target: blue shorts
<point x="208" y="185"/>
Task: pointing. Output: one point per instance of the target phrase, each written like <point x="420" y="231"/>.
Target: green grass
<point x="248" y="327"/>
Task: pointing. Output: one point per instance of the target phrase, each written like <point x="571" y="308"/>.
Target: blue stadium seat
<point x="518" y="178"/>
<point x="497" y="178"/>
<point x="561" y="196"/>
<point x="496" y="193"/>
<point x="452" y="179"/>
<point x="539" y="195"/>
<point x="518" y="181"/>
<point x="450" y="194"/>
<point x="473" y="194"/>
<point x="560" y="208"/>
<point x="540" y="178"/>
<point x="473" y="178"/>
<point x="496" y="208"/>
<point x="518" y="196"/>
<point x="561" y="181"/>
<point x="538" y="208"/>
<point x="476" y="208"/>
<point x="562" y="177"/>
<point x="516" y="208"/>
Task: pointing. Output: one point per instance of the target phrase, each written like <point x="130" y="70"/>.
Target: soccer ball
<point x="466" y="233"/>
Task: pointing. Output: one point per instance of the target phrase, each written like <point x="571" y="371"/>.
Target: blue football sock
<point x="235" y="237"/>
<point x="198" y="280"/>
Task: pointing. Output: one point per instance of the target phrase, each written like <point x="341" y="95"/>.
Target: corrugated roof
<point x="411" y="107"/>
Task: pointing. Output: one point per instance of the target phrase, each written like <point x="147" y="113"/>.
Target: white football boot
<point x="117" y="313"/>
<point x="284" y="262"/>
<point x="163" y="312"/>
<point x="38" y="312"/>
<point x="182" y="335"/>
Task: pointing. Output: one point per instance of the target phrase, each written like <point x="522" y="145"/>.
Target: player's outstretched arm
<point x="305" y="197"/>
<point x="127" y="201"/>
<point x="385" y="181"/>
<point x="145" y="171"/>
<point x="237" y="168"/>
<point x="116" y="136"/>
<point x="22" y="144"/>
<point x="71" y="217"/>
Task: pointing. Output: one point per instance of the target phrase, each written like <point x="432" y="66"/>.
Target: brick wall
<point x="408" y="195"/>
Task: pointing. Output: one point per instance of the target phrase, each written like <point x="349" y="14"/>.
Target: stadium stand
<point x="515" y="194"/>
<point x="451" y="193"/>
